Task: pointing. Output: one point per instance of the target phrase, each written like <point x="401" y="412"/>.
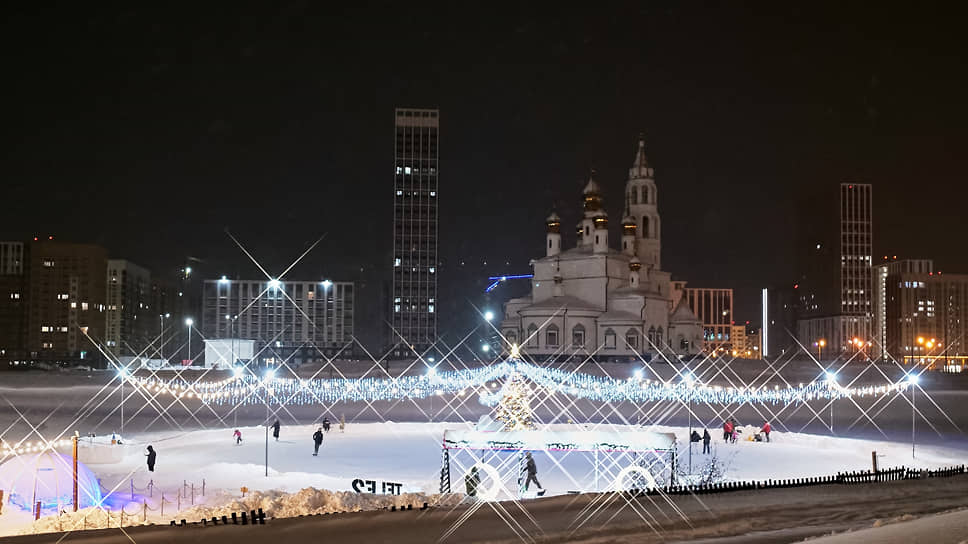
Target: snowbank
<point x="276" y="504"/>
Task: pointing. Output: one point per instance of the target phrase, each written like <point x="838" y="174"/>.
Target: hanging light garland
<point x="249" y="389"/>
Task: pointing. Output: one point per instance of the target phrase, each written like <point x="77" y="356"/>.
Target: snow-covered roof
<point x="613" y="316"/>
<point x="683" y="313"/>
<point x="562" y="302"/>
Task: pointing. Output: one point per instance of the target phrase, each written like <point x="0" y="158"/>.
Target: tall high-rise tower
<point x="414" y="285"/>
<point x="856" y="286"/>
<point x="642" y="205"/>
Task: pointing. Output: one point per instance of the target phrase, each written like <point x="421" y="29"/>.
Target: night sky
<point x="151" y="131"/>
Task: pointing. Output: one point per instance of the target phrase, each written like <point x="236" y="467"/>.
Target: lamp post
<point x="820" y="344"/>
<point x="912" y="383"/>
<point x="832" y="383"/>
<point x="688" y="379"/>
<point x="188" y="323"/>
<point x="161" y="332"/>
<point x="122" y="375"/>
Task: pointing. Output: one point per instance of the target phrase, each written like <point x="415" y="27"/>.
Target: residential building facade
<point x="297" y="321"/>
<point x="66" y="301"/>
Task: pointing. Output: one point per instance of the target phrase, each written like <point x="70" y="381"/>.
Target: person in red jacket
<point x="766" y="430"/>
<point x="727" y="430"/>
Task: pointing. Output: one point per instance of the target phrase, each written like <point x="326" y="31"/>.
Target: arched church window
<point x="532" y="336"/>
<point x="651" y="336"/>
<point x="645" y="227"/>
<point x="638" y="196"/>
<point x="551" y="336"/>
<point x="632" y="339"/>
<point x="609" y="339"/>
<point x="511" y="336"/>
<point x="658" y="337"/>
<point x="578" y="336"/>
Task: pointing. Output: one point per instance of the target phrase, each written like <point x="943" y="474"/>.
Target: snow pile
<point x="87" y="518"/>
<point x="276" y="504"/>
<point x="310" y="501"/>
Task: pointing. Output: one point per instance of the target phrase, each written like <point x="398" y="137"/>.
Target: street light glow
<point x="913" y="378"/>
<point x="326" y="284"/>
<point x="189" y="321"/>
<point x="485" y="348"/>
<point x="274" y="284"/>
<point x="488" y="315"/>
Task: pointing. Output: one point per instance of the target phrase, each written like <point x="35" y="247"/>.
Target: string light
<point x="242" y="390"/>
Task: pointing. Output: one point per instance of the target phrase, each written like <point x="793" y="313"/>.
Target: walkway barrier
<point x="889" y="475"/>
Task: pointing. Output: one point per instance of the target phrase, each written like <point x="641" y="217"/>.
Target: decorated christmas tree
<point x="514" y="408"/>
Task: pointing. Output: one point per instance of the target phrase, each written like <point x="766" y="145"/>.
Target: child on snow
<point x="237" y="435"/>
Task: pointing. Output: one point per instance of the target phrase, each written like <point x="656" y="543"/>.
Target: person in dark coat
<point x="150" y="453"/>
<point x="705" y="441"/>
<point x="326" y="424"/>
<point x="532" y="470"/>
<point x="318" y="440"/>
<point x="275" y="430"/>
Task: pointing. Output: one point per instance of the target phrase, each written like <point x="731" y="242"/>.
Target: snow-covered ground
<point x="410" y="454"/>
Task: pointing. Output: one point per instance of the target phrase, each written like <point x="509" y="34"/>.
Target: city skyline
<point x="176" y="156"/>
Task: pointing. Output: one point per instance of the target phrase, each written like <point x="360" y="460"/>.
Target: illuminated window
<point x="396" y="262"/>
<point x="433" y="193"/>
<point x="430" y="308"/>
<point x="406" y="170"/>
<point x="432" y="270"/>
<point x="48" y="264"/>
<point x="399" y="170"/>
<point x="63" y="329"/>
<point x="15" y="296"/>
<point x="399" y="193"/>
<point x="396" y="308"/>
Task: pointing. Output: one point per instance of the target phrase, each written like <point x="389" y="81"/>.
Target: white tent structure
<point x="48" y="478"/>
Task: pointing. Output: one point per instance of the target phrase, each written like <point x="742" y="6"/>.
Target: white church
<point x="596" y="299"/>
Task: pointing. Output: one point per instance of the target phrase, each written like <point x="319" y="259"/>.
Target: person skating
<point x="532" y="470"/>
<point x="727" y="430"/>
<point x="275" y="430"/>
<point x="317" y="440"/>
<point x="766" y="430"/>
<point x="705" y="441"/>
<point x="238" y="437"/>
<point x="151" y="455"/>
<point x="326" y="424"/>
<point x="734" y="430"/>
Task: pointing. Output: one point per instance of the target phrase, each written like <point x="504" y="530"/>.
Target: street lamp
<point x="488" y="316"/>
<point x="689" y="379"/>
<point x="161" y="331"/>
<point x="820" y="345"/>
<point x="832" y="383"/>
<point x="188" y="323"/>
<point x="912" y="380"/>
<point x="123" y="375"/>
